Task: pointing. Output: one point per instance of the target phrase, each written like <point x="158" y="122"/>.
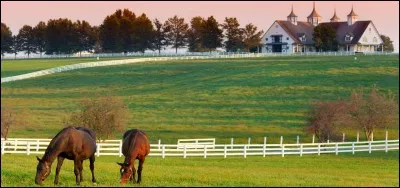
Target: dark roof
<point x="295" y="31"/>
<point x="342" y="29"/>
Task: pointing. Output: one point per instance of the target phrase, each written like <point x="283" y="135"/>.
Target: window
<point x="277" y="26"/>
<point x="310" y="49"/>
<point x="266" y="39"/>
<point x="287" y="47"/>
<point x="374" y="39"/>
<point x="365" y="39"/>
<point x="369" y="30"/>
<point x="287" y="38"/>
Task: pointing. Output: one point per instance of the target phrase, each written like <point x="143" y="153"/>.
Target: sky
<point x="384" y="14"/>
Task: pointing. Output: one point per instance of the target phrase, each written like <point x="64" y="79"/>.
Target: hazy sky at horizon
<point x="384" y="14"/>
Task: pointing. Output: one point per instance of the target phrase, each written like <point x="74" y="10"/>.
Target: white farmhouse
<point x="291" y="35"/>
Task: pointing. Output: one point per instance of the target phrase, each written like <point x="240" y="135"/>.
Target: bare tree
<point x="8" y="118"/>
<point x="103" y="115"/>
<point x="325" y="119"/>
<point x="373" y="111"/>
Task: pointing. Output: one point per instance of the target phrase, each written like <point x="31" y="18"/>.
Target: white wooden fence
<point x="113" y="147"/>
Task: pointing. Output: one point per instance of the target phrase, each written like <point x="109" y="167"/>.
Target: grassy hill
<point x="219" y="98"/>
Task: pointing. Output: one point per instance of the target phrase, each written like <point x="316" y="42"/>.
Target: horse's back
<point x="138" y="139"/>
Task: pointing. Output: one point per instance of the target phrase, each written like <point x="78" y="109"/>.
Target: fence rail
<point x="128" y="61"/>
<point x="114" y="147"/>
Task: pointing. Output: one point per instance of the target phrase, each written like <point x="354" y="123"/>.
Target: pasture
<point x="362" y="169"/>
<point x="217" y="98"/>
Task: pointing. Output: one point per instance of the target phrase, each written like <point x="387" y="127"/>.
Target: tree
<point x="374" y="111"/>
<point x="387" y="44"/>
<point x="177" y="35"/>
<point x="61" y="37"/>
<point x="27" y="39"/>
<point x="109" y="35"/>
<point x="325" y="119"/>
<point x="195" y="34"/>
<point x="39" y="33"/>
<point x="97" y="45"/>
<point x="143" y="34"/>
<point x="251" y="38"/>
<point x="104" y="116"/>
<point x="16" y="46"/>
<point x="160" y="37"/>
<point x="233" y="34"/>
<point x="8" y="118"/>
<point x="117" y="32"/>
<point x="212" y="34"/>
<point x="325" y="38"/>
<point x="6" y="39"/>
<point x="86" y="36"/>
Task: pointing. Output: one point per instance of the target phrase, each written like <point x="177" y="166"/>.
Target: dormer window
<point x="348" y="38"/>
<point x="302" y="38"/>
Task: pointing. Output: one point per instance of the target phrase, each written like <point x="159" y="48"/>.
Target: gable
<point x="277" y="29"/>
<point x="370" y="36"/>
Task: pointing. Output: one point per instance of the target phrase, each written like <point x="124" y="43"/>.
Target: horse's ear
<point x="120" y="164"/>
<point x="38" y="159"/>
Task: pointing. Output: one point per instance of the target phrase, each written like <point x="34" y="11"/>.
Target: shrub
<point x="103" y="115"/>
<point x="373" y="111"/>
<point x="325" y="119"/>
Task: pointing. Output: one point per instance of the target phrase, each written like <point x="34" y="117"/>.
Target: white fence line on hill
<point x="114" y="147"/>
<point x="127" y="61"/>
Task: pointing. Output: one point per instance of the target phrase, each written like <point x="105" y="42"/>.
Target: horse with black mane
<point x="135" y="146"/>
<point x="73" y="143"/>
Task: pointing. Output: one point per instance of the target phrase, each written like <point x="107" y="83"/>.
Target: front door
<point x="277" y="48"/>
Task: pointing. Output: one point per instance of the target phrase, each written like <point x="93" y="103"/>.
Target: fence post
<point x="281" y="140"/>
<point x="369" y="147"/>
<point x="319" y="149"/>
<point x="224" y="151"/>
<point x="386" y="142"/>
<point x="159" y="143"/>
<point x="313" y="137"/>
<point x="3" y="144"/>
<point x="283" y="150"/>
<point x="163" y="151"/>
<point x="231" y="143"/>
<point x="249" y="140"/>
<point x="343" y="137"/>
<point x="184" y="151"/>
<point x="120" y="148"/>
<point x="301" y="150"/>
<point x="98" y="150"/>
<point x="358" y="136"/>
<point x="372" y="136"/>
<point x="205" y="151"/>
<point x="297" y="139"/>
<point x="28" y="148"/>
<point x="15" y="145"/>
<point x="352" y="148"/>
<point x="265" y="145"/>
<point x="244" y="151"/>
<point x="337" y="148"/>
<point x="37" y="145"/>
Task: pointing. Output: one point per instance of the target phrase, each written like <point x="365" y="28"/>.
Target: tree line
<point x="124" y="31"/>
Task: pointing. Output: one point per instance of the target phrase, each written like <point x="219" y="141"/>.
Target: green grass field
<point x="221" y="98"/>
<point x="17" y="67"/>
<point x="377" y="169"/>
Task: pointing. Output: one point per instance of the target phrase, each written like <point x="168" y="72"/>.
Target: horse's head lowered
<point x="126" y="172"/>
<point x="42" y="171"/>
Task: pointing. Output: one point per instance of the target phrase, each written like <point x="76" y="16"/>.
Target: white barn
<point x="291" y="35"/>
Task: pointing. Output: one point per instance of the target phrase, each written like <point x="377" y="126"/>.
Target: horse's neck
<point x="52" y="152"/>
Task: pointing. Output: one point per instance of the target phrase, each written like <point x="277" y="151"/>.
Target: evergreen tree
<point x="143" y="34"/>
<point x="39" y="37"/>
<point x="194" y="34"/>
<point x="212" y="34"/>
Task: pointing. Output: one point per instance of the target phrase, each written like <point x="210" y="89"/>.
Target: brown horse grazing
<point x="76" y="144"/>
<point x="135" y="146"/>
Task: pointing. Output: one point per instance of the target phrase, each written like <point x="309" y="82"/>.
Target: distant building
<point x="291" y="35"/>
